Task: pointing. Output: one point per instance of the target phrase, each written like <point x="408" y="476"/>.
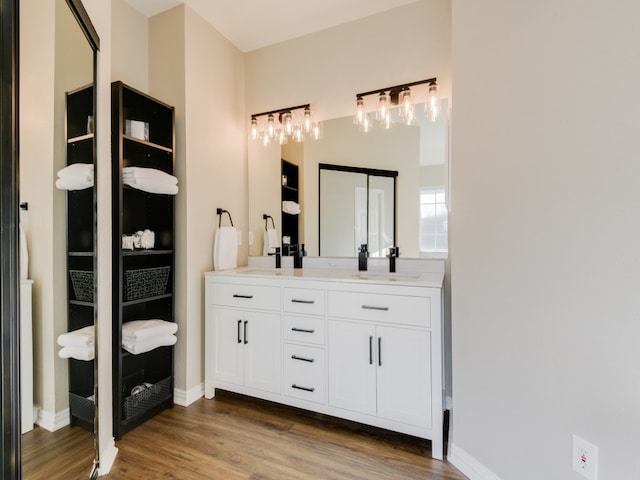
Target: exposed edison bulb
<point x="307" y="121"/>
<point x="359" y="118"/>
<point x="315" y="131"/>
<point x="386" y="121"/>
<point x="298" y="133"/>
<point x="253" y="131"/>
<point x="287" y="122"/>
<point x="281" y="137"/>
<point x="271" y="127"/>
<point x="433" y="109"/>
<point x="266" y="139"/>
<point x="383" y="107"/>
<point x="366" y="124"/>
<point x="407" y="111"/>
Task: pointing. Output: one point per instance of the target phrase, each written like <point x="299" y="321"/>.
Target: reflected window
<point x="433" y="220"/>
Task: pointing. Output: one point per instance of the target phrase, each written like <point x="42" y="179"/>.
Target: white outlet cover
<point x="585" y="458"/>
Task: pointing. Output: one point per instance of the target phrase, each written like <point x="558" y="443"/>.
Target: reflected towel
<point x="73" y="183"/>
<point x="152" y="174"/>
<point x="140" y="330"/>
<point x="79" y="353"/>
<point x="77" y="170"/>
<point x="225" y="248"/>
<point x="151" y="186"/>
<point x="270" y="241"/>
<point x="83" y="337"/>
<point x="292" y="208"/>
<point x="148" y="344"/>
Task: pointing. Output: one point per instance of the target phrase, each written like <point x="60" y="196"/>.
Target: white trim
<point x="53" y="421"/>
<point x="107" y="457"/>
<point x="469" y="465"/>
<point x="184" y="398"/>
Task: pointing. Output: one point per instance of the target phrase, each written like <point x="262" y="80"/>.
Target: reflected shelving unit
<point x="289" y="192"/>
<point x="143" y="286"/>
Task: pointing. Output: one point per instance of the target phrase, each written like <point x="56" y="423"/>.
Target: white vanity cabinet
<point x="367" y="349"/>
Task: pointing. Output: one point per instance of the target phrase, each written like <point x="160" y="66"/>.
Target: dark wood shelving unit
<point x="135" y="210"/>
<point x="289" y="192"/>
<point x="80" y="219"/>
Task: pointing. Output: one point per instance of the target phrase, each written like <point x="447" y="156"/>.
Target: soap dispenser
<point x="297" y="256"/>
<point x="394" y="252"/>
<point x="362" y="257"/>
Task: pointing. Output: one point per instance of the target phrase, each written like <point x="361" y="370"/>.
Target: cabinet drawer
<point x="245" y="296"/>
<point x="303" y="300"/>
<point x="304" y="329"/>
<point x="397" y="309"/>
<point x="304" y="373"/>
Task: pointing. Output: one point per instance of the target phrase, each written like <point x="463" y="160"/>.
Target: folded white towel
<point x="225" y="248"/>
<point x="144" y="329"/>
<point x="73" y="183"/>
<point x="290" y="207"/>
<point x="79" y="353"/>
<point x="151" y="186"/>
<point x="83" y="337"/>
<point x="148" y="344"/>
<point x="77" y="170"/>
<point x="140" y="173"/>
<point x="270" y="241"/>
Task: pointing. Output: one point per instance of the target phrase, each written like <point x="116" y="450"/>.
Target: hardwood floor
<point x="234" y="437"/>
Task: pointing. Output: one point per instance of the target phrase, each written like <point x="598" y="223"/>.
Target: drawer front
<point x="304" y="329"/>
<point x="303" y="300"/>
<point x="396" y="309"/>
<point x="304" y="373"/>
<point x="246" y="296"/>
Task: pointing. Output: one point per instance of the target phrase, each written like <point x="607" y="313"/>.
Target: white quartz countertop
<point x="424" y="279"/>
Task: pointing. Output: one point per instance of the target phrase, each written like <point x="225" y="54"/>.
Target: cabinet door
<point x="228" y="349"/>
<point x="404" y="375"/>
<point x="352" y="366"/>
<point x="263" y="347"/>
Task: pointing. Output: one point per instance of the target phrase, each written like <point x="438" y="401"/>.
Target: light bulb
<point x="271" y="127"/>
<point x="298" y="134"/>
<point x="366" y="124"/>
<point x="433" y="108"/>
<point x="406" y="107"/>
<point x="253" y="132"/>
<point x="383" y="107"/>
<point x="307" y="121"/>
<point x="315" y="131"/>
<point x="266" y="139"/>
<point x="281" y="137"/>
<point x="387" y="123"/>
<point x="287" y="123"/>
<point x="360" y="113"/>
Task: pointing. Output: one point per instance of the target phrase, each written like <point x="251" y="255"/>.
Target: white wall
<point x="129" y="46"/>
<point x="545" y="237"/>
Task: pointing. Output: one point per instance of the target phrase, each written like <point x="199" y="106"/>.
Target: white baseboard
<point x="184" y="398"/>
<point x="469" y="465"/>
<point x="108" y="455"/>
<point x="53" y="421"/>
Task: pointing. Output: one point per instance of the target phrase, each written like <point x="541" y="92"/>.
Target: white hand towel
<point x="292" y="208"/>
<point x="73" y="183"/>
<point x="144" y="329"/>
<point x="140" y="173"/>
<point x="79" y="353"/>
<point x="83" y="337"/>
<point x="152" y="186"/>
<point x="142" y="346"/>
<point x="77" y="170"/>
<point x="270" y="241"/>
<point x="225" y="248"/>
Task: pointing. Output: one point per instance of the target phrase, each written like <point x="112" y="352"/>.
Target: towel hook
<point x="220" y="212"/>
<point x="266" y="218"/>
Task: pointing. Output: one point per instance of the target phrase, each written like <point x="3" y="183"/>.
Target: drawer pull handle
<point x="310" y="360"/>
<point x="372" y="307"/>
<point x="302" y="330"/>
<point x="308" y="302"/>
<point x="237" y="295"/>
<point x="239" y="323"/>
<point x="379" y="351"/>
<point x="246" y="340"/>
<point x="306" y="389"/>
<point x="370" y="349"/>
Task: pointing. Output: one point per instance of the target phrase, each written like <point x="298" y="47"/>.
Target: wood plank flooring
<point x="234" y="437"/>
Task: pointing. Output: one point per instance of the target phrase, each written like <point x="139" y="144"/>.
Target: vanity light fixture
<point x="284" y="124"/>
<point x="397" y="96"/>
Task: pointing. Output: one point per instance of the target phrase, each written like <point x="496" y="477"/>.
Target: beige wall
<point x="545" y="236"/>
<point x="129" y="46"/>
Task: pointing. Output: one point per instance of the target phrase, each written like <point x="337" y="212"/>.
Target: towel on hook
<point x="225" y="248"/>
<point x="270" y="242"/>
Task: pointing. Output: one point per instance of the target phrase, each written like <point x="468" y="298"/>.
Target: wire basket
<point x="146" y="282"/>
<point x="83" y="284"/>
<point x="81" y="407"/>
<point x="141" y="402"/>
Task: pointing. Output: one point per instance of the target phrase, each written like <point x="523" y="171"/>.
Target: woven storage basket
<point x="83" y="284"/>
<point x="146" y="282"/>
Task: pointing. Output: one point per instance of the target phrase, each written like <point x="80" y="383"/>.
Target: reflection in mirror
<point x="57" y="75"/>
<point x="357" y="206"/>
<point x="418" y="152"/>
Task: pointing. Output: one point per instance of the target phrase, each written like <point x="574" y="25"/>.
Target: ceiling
<point x="253" y="24"/>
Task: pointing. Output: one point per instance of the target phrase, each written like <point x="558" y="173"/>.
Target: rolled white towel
<point x="152" y="186"/>
<point x="77" y="170"/>
<point x="83" y="337"/>
<point x="290" y="207"/>
<point x="144" y="329"/>
<point x="141" y="173"/>
<point x="141" y="346"/>
<point x="79" y="353"/>
<point x="73" y="183"/>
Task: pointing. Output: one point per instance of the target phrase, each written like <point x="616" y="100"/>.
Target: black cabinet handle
<point x="370" y="349"/>
<point x="310" y="360"/>
<point x="308" y="302"/>
<point x="379" y="351"/>
<point x="237" y="295"/>
<point x="306" y="389"/>
<point x="302" y="330"/>
<point x="239" y="323"/>
<point x="372" y="307"/>
<point x="246" y="340"/>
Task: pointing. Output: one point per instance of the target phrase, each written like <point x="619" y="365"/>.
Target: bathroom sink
<point x="261" y="272"/>
<point x="388" y="276"/>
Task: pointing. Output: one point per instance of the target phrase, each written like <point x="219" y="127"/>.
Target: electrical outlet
<point x="585" y="458"/>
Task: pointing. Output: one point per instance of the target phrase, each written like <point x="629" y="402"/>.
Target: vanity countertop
<point x="423" y="279"/>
